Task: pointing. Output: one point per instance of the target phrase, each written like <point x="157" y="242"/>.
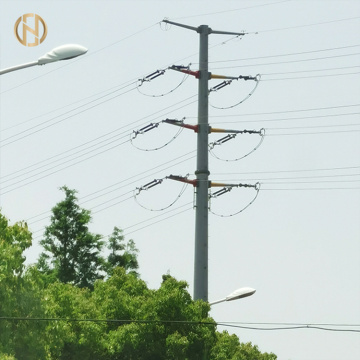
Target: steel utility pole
<point x="202" y="170"/>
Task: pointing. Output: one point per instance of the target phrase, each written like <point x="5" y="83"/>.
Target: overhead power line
<point x="231" y="10"/>
<point x="287" y="61"/>
<point x="162" y="217"/>
<point x="104" y="140"/>
<point x="287" y="111"/>
<point x="295" y="171"/>
<point x="311" y="189"/>
<point x="52" y="171"/>
<point x="108" y="91"/>
<point x="123" y="183"/>
<point x="317" y="133"/>
<point x="135" y="227"/>
<point x="313" y="24"/>
<point x="42" y="126"/>
<point x="309" y="71"/>
<point x="298" y="177"/>
<point x="115" y="201"/>
<point x="90" y="151"/>
<point x="294" y="327"/>
<point x="286" y="54"/>
<point x="185" y="322"/>
<point x="110" y="189"/>
<point x="88" y="55"/>
<point x="313" y="76"/>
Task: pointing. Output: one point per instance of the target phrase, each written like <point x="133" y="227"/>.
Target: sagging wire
<point x="150" y="185"/>
<point x="156" y="74"/>
<point x="235" y="38"/>
<point x="227" y="189"/>
<point x="241" y="325"/>
<point x="152" y="126"/>
<point x="256" y="78"/>
<point x="232" y="136"/>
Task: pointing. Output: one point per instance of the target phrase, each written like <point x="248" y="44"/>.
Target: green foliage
<point x="167" y="322"/>
<point x="75" y="338"/>
<point x="252" y="352"/>
<point x="13" y="241"/>
<point x="121" y="254"/>
<point x="19" y="296"/>
<point x="120" y="318"/>
<point x="6" y="357"/>
<point x="72" y="252"/>
<point x="156" y="324"/>
<point x="228" y="347"/>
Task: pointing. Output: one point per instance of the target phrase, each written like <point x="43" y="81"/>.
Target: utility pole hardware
<point x="202" y="169"/>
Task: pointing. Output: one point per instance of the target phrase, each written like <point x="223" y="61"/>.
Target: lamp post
<point x="237" y="294"/>
<point x="63" y="52"/>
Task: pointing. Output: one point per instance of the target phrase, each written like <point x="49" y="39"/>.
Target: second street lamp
<point x="63" y="52"/>
<point x="237" y="294"/>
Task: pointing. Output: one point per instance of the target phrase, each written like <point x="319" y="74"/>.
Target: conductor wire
<point x="155" y="75"/>
<point x="148" y="128"/>
<point x="228" y="189"/>
<point x="137" y="191"/>
<point x="212" y="145"/>
<point x="257" y="81"/>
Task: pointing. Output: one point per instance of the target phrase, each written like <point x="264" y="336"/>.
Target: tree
<point x="72" y="252"/>
<point x="138" y="323"/>
<point x="121" y="254"/>
<point x="228" y="347"/>
<point x="163" y="324"/>
<point x="79" y="337"/>
<point x="20" y="296"/>
<point x="120" y="318"/>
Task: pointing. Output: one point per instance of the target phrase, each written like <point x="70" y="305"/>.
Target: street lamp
<point x="237" y="294"/>
<point x="63" y="52"/>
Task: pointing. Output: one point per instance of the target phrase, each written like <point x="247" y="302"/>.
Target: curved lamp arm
<point x="63" y="52"/>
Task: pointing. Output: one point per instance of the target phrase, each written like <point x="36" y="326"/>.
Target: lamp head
<point x="63" y="52"/>
<point x="240" y="293"/>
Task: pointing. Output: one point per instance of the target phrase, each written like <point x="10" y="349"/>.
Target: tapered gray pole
<point x="202" y="173"/>
<point x="202" y="163"/>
